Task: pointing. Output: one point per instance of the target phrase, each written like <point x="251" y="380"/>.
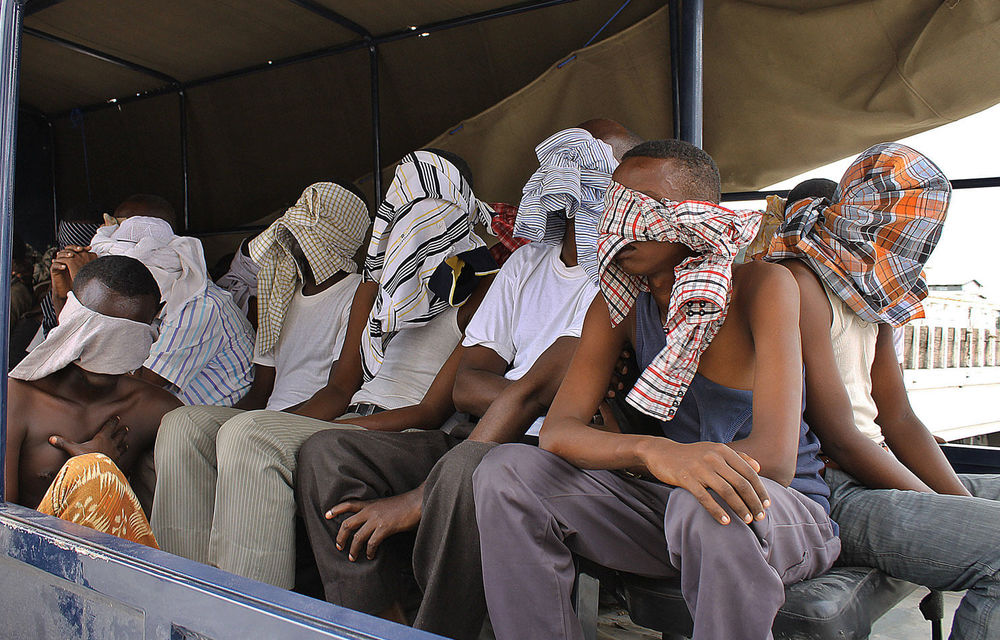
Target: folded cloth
<point x="502" y="226"/>
<point x="573" y="174"/>
<point x="456" y="278"/>
<point x="428" y="216"/>
<point x="176" y="262"/>
<point x="871" y="244"/>
<point x="94" y="342"/>
<point x="75" y="233"/>
<point x="773" y="216"/>
<point x="91" y="490"/>
<point x="329" y="223"/>
<point x="699" y="300"/>
<point x="67" y="233"/>
<point x="241" y="279"/>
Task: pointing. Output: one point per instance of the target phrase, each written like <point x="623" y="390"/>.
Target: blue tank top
<point x="714" y="413"/>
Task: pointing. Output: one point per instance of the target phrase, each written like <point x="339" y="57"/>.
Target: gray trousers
<point x="938" y="541"/>
<point x="535" y="510"/>
<point x="224" y="491"/>
<point x="443" y="555"/>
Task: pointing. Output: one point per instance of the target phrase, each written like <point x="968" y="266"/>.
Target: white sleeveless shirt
<point x="854" y="350"/>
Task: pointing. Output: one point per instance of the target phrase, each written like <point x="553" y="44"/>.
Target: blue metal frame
<point x="90" y="584"/>
<point x="10" y="58"/>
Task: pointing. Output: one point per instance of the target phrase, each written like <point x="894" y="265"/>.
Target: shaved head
<point x="617" y="136"/>
<point x="118" y="286"/>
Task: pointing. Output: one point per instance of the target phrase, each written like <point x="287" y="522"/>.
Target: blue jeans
<point x="949" y="543"/>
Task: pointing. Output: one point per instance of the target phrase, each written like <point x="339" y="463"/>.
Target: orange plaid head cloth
<point x="870" y="246"/>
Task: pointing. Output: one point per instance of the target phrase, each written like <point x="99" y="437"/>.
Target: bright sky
<point x="969" y="247"/>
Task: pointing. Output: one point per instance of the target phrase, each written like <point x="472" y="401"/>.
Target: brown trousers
<point x="443" y="555"/>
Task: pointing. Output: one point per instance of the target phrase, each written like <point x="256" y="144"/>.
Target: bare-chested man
<point x="70" y="396"/>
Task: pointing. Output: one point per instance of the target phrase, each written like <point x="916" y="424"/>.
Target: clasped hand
<point x="702" y="467"/>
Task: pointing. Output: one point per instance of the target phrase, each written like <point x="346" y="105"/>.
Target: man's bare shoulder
<point x="148" y="393"/>
<point x="23" y="394"/>
<point x="755" y="279"/>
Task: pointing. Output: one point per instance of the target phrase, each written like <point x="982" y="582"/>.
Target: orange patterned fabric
<point x="870" y="245"/>
<point x="91" y="490"/>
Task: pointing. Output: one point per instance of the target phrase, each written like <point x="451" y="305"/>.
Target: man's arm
<point x="829" y="412"/>
<point x="769" y="298"/>
<point x="156" y="403"/>
<point x="905" y="434"/>
<point x="828" y="407"/>
<point x="480" y="380"/>
<point x="260" y="389"/>
<point x="345" y="375"/>
<point x="696" y="467"/>
<point x="517" y="406"/>
<point x="16" y="429"/>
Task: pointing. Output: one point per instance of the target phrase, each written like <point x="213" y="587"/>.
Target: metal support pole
<point x="376" y="124"/>
<point x="675" y="64"/>
<point x="100" y="55"/>
<point x="10" y="54"/>
<point x="692" y="71"/>
<point x="184" y="157"/>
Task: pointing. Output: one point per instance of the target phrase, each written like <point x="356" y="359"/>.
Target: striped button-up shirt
<point x="206" y="350"/>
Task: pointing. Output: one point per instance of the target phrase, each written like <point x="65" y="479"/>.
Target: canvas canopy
<point x="789" y="85"/>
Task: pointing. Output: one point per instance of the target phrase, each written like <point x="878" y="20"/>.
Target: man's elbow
<point x="782" y="473"/>
<point x="552" y="437"/>
<point x="780" y="468"/>
<point x="462" y="395"/>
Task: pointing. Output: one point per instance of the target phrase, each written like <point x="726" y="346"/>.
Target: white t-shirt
<point x="534" y="300"/>
<point x="312" y="335"/>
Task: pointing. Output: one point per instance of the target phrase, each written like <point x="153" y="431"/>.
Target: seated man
<point x="70" y="397"/>
<point x="204" y="351"/>
<point x="306" y="281"/>
<point x="535" y="307"/>
<point x="731" y="497"/>
<point x="211" y="465"/>
<point x="890" y="500"/>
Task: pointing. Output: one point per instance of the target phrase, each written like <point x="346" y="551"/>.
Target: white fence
<point x="953" y="379"/>
<point x="927" y="347"/>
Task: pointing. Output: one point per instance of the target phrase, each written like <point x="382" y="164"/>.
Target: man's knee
<point x="312" y="472"/>
<point x="685" y="518"/>
<point x="179" y="432"/>
<point x="458" y="465"/>
<point x="510" y="471"/>
<point x="242" y="435"/>
<point x="91" y="466"/>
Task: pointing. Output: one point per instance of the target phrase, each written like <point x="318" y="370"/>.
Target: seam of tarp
<point x="605" y="25"/>
<point x="596" y="34"/>
<point x="401" y="34"/>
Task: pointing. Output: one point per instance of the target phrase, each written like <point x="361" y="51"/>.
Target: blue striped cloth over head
<point x="574" y="172"/>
